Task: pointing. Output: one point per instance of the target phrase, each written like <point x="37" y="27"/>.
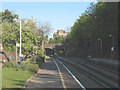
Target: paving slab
<point x="49" y="77"/>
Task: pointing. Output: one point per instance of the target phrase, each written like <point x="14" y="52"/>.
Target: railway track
<point x="106" y="78"/>
<point x="103" y="67"/>
<point x="104" y="75"/>
<point x="100" y="69"/>
<point x="110" y="66"/>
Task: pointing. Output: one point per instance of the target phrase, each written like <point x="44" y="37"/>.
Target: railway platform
<point x="53" y="75"/>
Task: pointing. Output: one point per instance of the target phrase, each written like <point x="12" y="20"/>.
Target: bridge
<point x="51" y="46"/>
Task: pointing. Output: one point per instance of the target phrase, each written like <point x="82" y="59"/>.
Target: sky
<point x="60" y="15"/>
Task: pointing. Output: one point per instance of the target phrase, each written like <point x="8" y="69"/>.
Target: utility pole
<point x="20" y="42"/>
<point x="20" y="45"/>
<point x="113" y="45"/>
<point x="100" y="45"/>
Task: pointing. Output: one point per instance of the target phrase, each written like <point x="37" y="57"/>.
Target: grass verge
<point x="15" y="76"/>
<point x="14" y="79"/>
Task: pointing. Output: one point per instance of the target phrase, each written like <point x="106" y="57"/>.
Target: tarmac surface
<point x="53" y="75"/>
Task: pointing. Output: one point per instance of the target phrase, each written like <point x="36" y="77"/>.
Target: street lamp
<point x="100" y="45"/>
<point x="20" y="42"/>
<point x="17" y="45"/>
<point x="113" y="46"/>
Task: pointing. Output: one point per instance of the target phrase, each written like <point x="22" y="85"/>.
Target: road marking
<point x="63" y="82"/>
<point x="72" y="75"/>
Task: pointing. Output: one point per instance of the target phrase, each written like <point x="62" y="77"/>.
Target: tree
<point x="95" y="23"/>
<point x="51" y="41"/>
<point x="11" y="34"/>
<point x="29" y="36"/>
<point x="46" y="39"/>
<point x="32" y="35"/>
<point x="43" y="31"/>
<point x="8" y="16"/>
<point x="59" y="39"/>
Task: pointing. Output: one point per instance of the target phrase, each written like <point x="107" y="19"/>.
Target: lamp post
<point x="20" y="42"/>
<point x="17" y="45"/>
<point x="20" y="45"/>
<point x="113" y="46"/>
<point x="100" y="45"/>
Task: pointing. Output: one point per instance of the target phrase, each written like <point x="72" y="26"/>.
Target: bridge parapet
<point x="51" y="46"/>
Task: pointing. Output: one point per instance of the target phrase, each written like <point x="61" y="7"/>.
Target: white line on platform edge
<point x="72" y="75"/>
<point x="63" y="82"/>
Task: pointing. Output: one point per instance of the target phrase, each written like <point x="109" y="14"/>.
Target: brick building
<point x="59" y="33"/>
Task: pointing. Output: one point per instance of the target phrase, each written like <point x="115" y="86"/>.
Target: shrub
<point x="33" y="68"/>
<point x="14" y="48"/>
<point x="60" y="52"/>
<point x="31" y="60"/>
<point x="41" y="53"/>
<point x="11" y="64"/>
<point x="8" y="48"/>
<point x="24" y="65"/>
<point x="7" y="64"/>
<point x="41" y="59"/>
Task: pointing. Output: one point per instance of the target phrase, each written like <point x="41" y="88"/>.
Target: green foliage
<point x="98" y="21"/>
<point x="23" y="66"/>
<point x="32" y="68"/>
<point x="41" y="52"/>
<point x="14" y="79"/>
<point x="26" y="66"/>
<point x="46" y="39"/>
<point x="51" y="41"/>
<point x="31" y="60"/>
<point x="39" y="61"/>
<point x="32" y="35"/>
<point x="8" y="48"/>
<point x="10" y="34"/>
<point x="60" y="52"/>
<point x="8" y="16"/>
<point x="11" y="64"/>
<point x="59" y="39"/>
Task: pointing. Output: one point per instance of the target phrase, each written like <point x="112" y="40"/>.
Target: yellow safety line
<point x="61" y="76"/>
<point x="63" y="82"/>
